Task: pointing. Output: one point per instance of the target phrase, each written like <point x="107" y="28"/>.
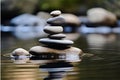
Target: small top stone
<point x="55" y="13"/>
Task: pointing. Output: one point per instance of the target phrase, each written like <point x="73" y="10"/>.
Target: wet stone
<point x="53" y="29"/>
<point x="55" y="13"/>
<point x="59" y="20"/>
<point x="56" y="43"/>
<point x="20" y="51"/>
<point x="20" y="56"/>
<point x="70" y="54"/>
<point x="41" y="49"/>
<point x="57" y="36"/>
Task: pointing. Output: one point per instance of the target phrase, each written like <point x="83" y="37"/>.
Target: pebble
<point x="55" y="13"/>
<point x="40" y="49"/>
<point x="56" y="43"/>
<point x="57" y="36"/>
<point x="20" y="56"/>
<point x="20" y="51"/>
<point x="59" y="20"/>
<point x="53" y="29"/>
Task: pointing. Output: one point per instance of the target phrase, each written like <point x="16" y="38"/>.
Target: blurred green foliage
<point x="74" y="6"/>
<point x="79" y="5"/>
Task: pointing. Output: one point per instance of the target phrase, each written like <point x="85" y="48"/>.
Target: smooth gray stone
<point x="53" y="29"/>
<point x="54" y="42"/>
<point x="57" y="36"/>
<point x="55" y="13"/>
<point x="59" y="20"/>
<point x="36" y="50"/>
<point x="44" y="55"/>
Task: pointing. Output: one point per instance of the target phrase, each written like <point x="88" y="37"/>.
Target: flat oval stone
<point x="55" y="43"/>
<point x="59" y="20"/>
<point x="55" y="13"/>
<point x="41" y="49"/>
<point x="53" y="29"/>
<point x="57" y="36"/>
<point x="71" y="54"/>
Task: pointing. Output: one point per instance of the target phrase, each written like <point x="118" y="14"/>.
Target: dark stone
<point x="56" y="20"/>
<point x="57" y="36"/>
<point x="55" y="43"/>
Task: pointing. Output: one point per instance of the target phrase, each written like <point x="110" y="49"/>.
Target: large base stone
<point x="71" y="54"/>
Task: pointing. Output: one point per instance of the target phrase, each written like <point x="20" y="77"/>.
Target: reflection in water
<point x="20" y="59"/>
<point x="56" y="70"/>
<point x="91" y="68"/>
<point x="102" y="63"/>
<point x="12" y="71"/>
<point x="57" y="65"/>
<point x="103" y="66"/>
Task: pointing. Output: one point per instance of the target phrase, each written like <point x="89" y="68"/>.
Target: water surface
<point x="101" y="60"/>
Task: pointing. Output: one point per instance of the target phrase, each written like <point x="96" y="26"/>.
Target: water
<point x="100" y="61"/>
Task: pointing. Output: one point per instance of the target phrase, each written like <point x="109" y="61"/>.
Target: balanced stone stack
<point x="56" y="42"/>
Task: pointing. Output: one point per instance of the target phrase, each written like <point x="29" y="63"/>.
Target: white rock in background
<point x="71" y="19"/>
<point x="28" y="26"/>
<point x="99" y="15"/>
<point x="28" y="19"/>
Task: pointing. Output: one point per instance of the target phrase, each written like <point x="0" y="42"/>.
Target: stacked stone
<point x="54" y="29"/>
<point x="56" y="42"/>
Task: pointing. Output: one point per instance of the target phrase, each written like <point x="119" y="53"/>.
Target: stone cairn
<point x="56" y="54"/>
<point x="56" y="44"/>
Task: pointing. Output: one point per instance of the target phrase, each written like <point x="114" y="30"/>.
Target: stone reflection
<point x="56" y="70"/>
<point x="54" y="65"/>
<point x="21" y="71"/>
<point x="100" y="40"/>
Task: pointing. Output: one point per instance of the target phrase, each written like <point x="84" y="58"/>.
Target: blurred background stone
<point x="101" y="16"/>
<point x="12" y="8"/>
